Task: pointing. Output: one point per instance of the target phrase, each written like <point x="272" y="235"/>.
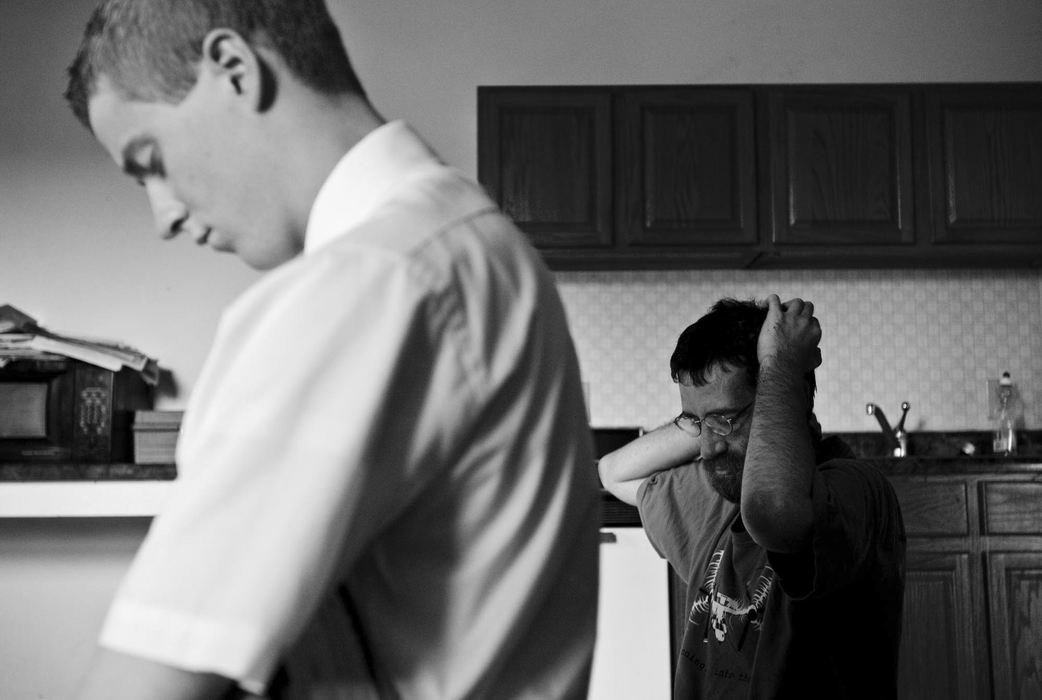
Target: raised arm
<point x="779" y="463"/>
<point x="623" y="470"/>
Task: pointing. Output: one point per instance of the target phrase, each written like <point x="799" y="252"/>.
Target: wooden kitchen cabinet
<point x="546" y="158"/>
<point x="686" y="168"/>
<point x="985" y="157"/>
<point x="941" y="644"/>
<point x="606" y="178"/>
<point x="644" y="168"/>
<point x="973" y="592"/>
<point x="1015" y="582"/>
<point x="841" y="166"/>
<point x="944" y="636"/>
<point x="769" y="176"/>
<point x="1013" y="526"/>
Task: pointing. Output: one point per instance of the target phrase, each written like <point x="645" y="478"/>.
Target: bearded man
<point x="793" y="551"/>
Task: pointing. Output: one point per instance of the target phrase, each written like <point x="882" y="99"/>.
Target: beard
<point x="725" y="475"/>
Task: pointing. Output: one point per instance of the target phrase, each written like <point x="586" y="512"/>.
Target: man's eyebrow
<point x="719" y="411"/>
<point x="131" y="166"/>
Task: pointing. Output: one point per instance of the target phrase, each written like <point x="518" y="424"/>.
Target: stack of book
<point x="22" y="338"/>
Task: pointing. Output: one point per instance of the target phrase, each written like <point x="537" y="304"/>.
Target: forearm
<point x="113" y="675"/>
<point x="623" y="470"/>
<point x="779" y="466"/>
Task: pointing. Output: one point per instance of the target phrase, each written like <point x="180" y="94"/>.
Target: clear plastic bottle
<point x="1005" y="436"/>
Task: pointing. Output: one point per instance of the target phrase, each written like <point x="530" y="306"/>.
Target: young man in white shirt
<point x="386" y="483"/>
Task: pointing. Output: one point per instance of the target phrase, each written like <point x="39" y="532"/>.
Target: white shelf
<point x="77" y="499"/>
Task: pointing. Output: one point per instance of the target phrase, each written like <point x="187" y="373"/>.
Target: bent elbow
<point x="623" y="489"/>
<point x="778" y="524"/>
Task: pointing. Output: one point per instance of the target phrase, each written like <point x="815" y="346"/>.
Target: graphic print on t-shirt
<point x="732" y="609"/>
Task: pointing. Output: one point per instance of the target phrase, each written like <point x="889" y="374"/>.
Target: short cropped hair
<point x="150" y="49"/>
<point x="726" y="335"/>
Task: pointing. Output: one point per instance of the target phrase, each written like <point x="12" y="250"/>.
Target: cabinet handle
<point x="608" y="538"/>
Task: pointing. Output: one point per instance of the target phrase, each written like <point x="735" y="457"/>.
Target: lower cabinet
<point x="973" y="592"/>
<point x="943" y="647"/>
<point x="632" y="658"/>
<point x="1015" y="587"/>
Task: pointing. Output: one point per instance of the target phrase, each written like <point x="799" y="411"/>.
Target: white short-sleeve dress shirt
<point x="386" y="485"/>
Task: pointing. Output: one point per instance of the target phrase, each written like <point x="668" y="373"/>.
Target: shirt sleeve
<point x="296" y="445"/>
<point x="857" y="520"/>
<point x="678" y="509"/>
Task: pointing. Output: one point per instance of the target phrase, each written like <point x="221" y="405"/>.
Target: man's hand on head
<point x="790" y="335"/>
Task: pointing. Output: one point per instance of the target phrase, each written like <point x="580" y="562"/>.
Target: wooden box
<point x="155" y="436"/>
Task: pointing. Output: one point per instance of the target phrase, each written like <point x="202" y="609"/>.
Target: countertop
<point x="74" y="490"/>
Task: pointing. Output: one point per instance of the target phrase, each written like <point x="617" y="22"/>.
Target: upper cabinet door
<point x="544" y="154"/>
<point x="986" y="163"/>
<point x="841" y="165"/>
<point x="686" y="167"/>
<point x="769" y="176"/>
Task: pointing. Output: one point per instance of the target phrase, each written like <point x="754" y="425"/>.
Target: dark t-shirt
<point x="821" y="623"/>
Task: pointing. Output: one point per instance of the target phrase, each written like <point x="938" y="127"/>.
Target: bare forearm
<point x="780" y="463"/>
<point x="113" y="676"/>
<point x="623" y="470"/>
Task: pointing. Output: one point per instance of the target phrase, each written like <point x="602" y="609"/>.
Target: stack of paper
<point x="22" y="338"/>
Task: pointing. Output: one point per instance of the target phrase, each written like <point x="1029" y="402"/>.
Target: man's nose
<point x="713" y="445"/>
<point x="168" y="212"/>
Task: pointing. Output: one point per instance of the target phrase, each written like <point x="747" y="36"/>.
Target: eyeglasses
<point x="721" y="425"/>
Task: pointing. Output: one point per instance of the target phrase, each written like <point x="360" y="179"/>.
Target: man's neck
<point x="310" y="133"/>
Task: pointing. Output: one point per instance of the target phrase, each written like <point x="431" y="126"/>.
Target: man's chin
<point x="726" y="479"/>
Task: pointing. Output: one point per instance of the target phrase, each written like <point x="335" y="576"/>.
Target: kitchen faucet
<point x="894" y="439"/>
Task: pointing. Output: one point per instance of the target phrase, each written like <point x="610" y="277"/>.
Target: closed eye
<point x="734" y="416"/>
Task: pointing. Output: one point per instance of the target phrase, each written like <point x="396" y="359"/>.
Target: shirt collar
<point x="362" y="180"/>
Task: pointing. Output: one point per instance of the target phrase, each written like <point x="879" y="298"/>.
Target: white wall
<point x="56" y="578"/>
<point x="77" y="249"/>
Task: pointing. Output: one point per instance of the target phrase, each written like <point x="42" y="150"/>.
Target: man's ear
<point x="232" y="62"/>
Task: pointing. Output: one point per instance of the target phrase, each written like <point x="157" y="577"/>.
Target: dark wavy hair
<point x="726" y="335"/>
<point x="150" y="49"/>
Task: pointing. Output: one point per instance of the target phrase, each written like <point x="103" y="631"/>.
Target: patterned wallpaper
<point x="929" y="337"/>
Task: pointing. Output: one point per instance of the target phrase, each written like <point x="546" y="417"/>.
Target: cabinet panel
<point x="1012" y="508"/>
<point x="687" y="170"/>
<point x="941" y="645"/>
<point x="545" y="157"/>
<point x="841" y="165"/>
<point x="986" y="163"/>
<point x="932" y="507"/>
<point x="1016" y="623"/>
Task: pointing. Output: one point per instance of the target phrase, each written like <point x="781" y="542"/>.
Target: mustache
<point x="725" y="462"/>
<point x="725" y="475"/>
